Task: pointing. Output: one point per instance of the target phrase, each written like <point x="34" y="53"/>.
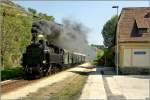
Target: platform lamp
<point x="117" y="47"/>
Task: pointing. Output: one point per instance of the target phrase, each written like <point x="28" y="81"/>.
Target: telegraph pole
<point x="117" y="47"/>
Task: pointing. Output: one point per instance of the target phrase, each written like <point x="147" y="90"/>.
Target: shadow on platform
<point x="88" y="67"/>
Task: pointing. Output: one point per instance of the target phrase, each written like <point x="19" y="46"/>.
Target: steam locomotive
<point x="43" y="58"/>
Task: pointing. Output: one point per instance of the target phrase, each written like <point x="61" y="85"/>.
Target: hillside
<point x="15" y="32"/>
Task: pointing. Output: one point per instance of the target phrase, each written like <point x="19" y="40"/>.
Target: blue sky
<point x="92" y="14"/>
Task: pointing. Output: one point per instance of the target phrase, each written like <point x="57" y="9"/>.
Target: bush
<point x="99" y="58"/>
<point x="9" y="73"/>
<point x="104" y="57"/>
<point x="109" y="56"/>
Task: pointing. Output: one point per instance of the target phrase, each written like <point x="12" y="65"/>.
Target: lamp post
<point x="117" y="7"/>
<point x="117" y="47"/>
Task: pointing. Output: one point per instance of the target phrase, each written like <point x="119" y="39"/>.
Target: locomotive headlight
<point x="44" y="61"/>
<point x="40" y="37"/>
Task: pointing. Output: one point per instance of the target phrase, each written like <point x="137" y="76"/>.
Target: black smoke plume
<point x="49" y="29"/>
<point x="70" y="35"/>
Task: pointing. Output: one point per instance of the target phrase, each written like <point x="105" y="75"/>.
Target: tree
<point x="109" y="31"/>
<point x="46" y="17"/>
<point x="33" y="11"/>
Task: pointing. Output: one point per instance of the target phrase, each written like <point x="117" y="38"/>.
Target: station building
<point x="134" y="40"/>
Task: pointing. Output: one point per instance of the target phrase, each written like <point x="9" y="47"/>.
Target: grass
<point x="68" y="89"/>
<point x="71" y="91"/>
<point x="9" y="73"/>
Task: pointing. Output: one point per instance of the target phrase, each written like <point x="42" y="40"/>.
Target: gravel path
<point x="24" y="91"/>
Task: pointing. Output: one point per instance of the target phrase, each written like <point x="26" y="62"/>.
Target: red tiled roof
<point x="130" y="20"/>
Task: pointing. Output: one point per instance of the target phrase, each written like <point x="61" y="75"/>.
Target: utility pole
<point x="117" y="47"/>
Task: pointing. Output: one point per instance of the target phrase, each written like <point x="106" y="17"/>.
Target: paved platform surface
<point x="113" y="87"/>
<point x="94" y="88"/>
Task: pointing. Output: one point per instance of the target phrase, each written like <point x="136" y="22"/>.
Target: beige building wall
<point x="134" y="55"/>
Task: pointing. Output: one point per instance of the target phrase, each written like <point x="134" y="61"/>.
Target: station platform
<point x="104" y="84"/>
<point x="94" y="87"/>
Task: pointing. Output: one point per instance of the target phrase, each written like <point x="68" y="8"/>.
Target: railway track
<point x="18" y="88"/>
<point x="14" y="84"/>
<point x="11" y="85"/>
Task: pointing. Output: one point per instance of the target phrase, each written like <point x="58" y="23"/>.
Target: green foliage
<point x="15" y="33"/>
<point x="9" y="73"/>
<point x="99" y="58"/>
<point x="109" y="31"/>
<point x="97" y="46"/>
<point x="39" y="16"/>
<point x="15" y="36"/>
<point x="107" y="52"/>
<point x="109" y="56"/>
<point x="43" y="16"/>
<point x="31" y="10"/>
<point x="104" y="57"/>
<point x="99" y="54"/>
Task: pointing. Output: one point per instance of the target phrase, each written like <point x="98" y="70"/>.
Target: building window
<point x="143" y="30"/>
<point x="147" y="15"/>
<point x="139" y="52"/>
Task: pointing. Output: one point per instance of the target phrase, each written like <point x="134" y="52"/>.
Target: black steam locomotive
<point x="42" y="58"/>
